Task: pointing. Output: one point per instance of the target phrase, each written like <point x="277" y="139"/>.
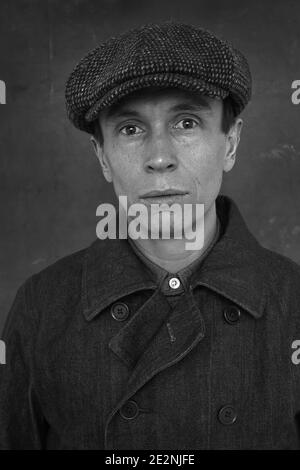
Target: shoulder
<point x="279" y="265"/>
<point x="56" y="288"/>
<point x="41" y="290"/>
<point x="62" y="273"/>
<point x="282" y="276"/>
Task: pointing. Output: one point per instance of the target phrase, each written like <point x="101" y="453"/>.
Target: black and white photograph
<point x="150" y="227"/>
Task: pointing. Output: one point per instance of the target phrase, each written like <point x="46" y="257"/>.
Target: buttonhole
<point x="145" y="410"/>
<point x="171" y="333"/>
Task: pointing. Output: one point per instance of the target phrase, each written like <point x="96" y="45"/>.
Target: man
<point x="141" y="343"/>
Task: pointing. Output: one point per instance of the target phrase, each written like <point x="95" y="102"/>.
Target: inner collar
<point x="175" y="283"/>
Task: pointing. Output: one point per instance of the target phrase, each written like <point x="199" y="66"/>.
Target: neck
<point x="172" y="254"/>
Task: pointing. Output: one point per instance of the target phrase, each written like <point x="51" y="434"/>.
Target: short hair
<point x="228" y="119"/>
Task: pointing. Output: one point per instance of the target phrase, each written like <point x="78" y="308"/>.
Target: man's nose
<point x="160" y="155"/>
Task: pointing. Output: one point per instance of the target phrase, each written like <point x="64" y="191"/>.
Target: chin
<point x="168" y="228"/>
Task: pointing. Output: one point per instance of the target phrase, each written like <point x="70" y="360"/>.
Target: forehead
<point x="169" y="99"/>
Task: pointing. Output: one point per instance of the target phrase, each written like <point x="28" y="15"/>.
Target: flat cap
<point x="166" y="55"/>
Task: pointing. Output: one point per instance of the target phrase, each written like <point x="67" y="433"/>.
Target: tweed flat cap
<point x="169" y="54"/>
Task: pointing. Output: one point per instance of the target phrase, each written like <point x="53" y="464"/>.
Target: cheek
<point x="206" y="160"/>
<point x="122" y="170"/>
<point x="205" y="168"/>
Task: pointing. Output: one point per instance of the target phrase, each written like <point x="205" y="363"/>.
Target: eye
<point x="131" y="129"/>
<point x="186" y="124"/>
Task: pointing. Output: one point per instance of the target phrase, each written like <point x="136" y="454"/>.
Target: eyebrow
<point x="198" y="106"/>
<point x="123" y="111"/>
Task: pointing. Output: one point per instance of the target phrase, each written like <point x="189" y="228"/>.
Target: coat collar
<point x="235" y="268"/>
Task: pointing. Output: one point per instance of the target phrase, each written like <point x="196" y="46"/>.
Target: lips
<point x="166" y="196"/>
<point x="164" y="193"/>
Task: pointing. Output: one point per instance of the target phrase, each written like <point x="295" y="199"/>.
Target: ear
<point x="232" y="142"/>
<point x="99" y="151"/>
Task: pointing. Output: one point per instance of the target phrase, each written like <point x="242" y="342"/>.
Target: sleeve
<point x="22" y="425"/>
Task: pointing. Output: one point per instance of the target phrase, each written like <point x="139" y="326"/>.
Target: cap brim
<point x="166" y="80"/>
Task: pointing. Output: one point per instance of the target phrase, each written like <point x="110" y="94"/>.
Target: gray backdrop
<point x="50" y="180"/>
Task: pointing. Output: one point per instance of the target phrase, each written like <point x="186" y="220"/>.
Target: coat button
<point x="129" y="410"/>
<point x="174" y="283"/>
<point x="119" y="311"/>
<point x="232" y="314"/>
<point x="227" y="415"/>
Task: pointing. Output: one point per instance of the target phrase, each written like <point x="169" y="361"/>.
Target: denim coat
<point x="98" y="358"/>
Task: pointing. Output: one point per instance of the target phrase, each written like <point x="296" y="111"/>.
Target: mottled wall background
<point x="50" y="180"/>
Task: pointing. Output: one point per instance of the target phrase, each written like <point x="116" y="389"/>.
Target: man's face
<point x="160" y="140"/>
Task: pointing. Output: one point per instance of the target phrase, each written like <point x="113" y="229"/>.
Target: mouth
<point x="164" y="192"/>
<point x="167" y="196"/>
